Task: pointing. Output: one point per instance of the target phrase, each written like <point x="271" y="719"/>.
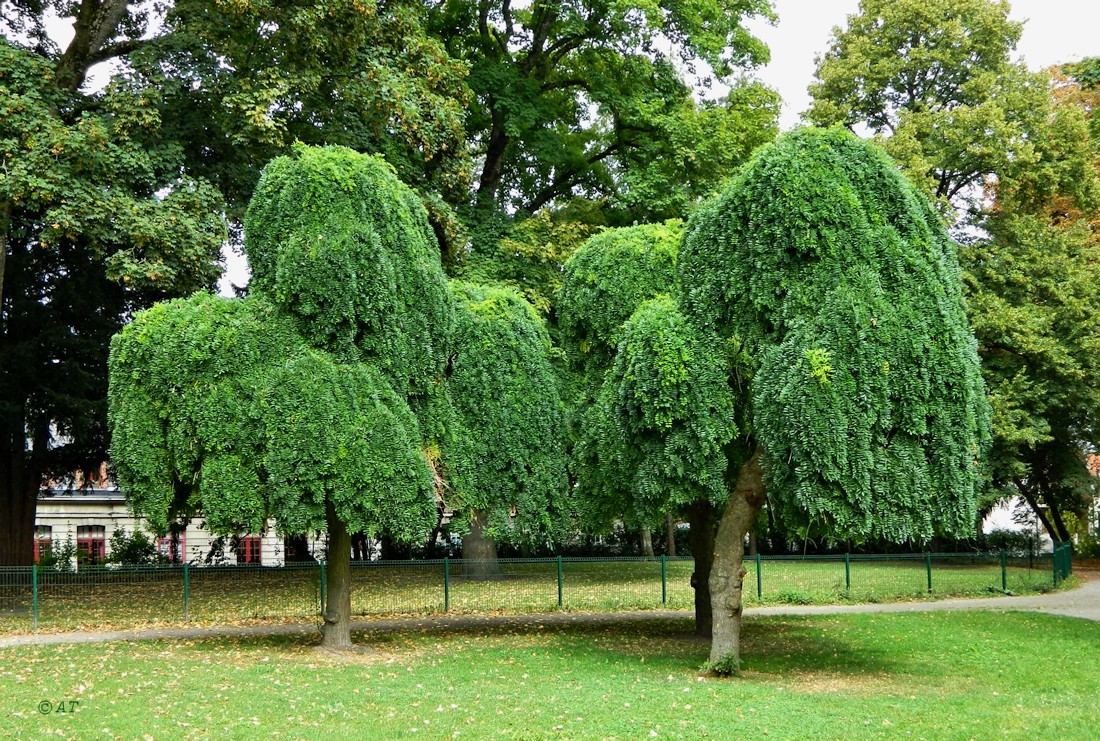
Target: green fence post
<point x="1054" y="562"/>
<point x="446" y="584"/>
<point x="928" y="566"/>
<point x="847" y="572"/>
<point x="759" y="583"/>
<point x="559" y="582"/>
<point x="34" y="596"/>
<point x="1004" y="571"/>
<point x="186" y="592"/>
<point x="664" y="580"/>
<point x="322" y="588"/>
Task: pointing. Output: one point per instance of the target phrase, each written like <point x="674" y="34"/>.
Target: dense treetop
<point x="335" y="239"/>
<point x="606" y="280"/>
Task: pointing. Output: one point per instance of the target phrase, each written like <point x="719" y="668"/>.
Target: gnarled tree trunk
<point x="479" y="551"/>
<point x="727" y="576"/>
<point x="337" y="632"/>
<point x="702" y="518"/>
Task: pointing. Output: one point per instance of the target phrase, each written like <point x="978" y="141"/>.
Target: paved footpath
<point x="1083" y="602"/>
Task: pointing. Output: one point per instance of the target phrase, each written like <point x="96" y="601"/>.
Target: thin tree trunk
<point x="5" y="227"/>
<point x="1060" y="528"/>
<point x="728" y="574"/>
<point x="337" y="632"/>
<point x="1034" y="504"/>
<point x="702" y="518"/>
<point x="647" y="542"/>
<point x="492" y="171"/>
<point x="478" y="550"/>
<point x="670" y="532"/>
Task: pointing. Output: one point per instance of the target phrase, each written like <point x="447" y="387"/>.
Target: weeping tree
<point x="312" y="401"/>
<point x="504" y="451"/>
<point x="623" y="467"/>
<point x="663" y="432"/>
<point x="834" y="280"/>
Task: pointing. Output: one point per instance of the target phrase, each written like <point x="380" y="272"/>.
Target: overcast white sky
<point x="1055" y="31"/>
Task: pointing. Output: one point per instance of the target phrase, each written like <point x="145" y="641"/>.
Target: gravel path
<point x="1083" y="602"/>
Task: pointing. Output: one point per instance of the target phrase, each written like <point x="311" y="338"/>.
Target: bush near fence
<point x="113" y="597"/>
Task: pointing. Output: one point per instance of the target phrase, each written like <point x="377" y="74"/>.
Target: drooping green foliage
<point x="339" y="243"/>
<point x="294" y="400"/>
<point x="839" y="283"/>
<point x="605" y="280"/>
<point x="657" y="438"/>
<point x="504" y="455"/>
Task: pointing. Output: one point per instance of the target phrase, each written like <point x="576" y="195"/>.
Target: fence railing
<point x="109" y="597"/>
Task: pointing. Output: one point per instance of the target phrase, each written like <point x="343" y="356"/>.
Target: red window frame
<point x="164" y="548"/>
<point x="92" y="541"/>
<point x="43" y="536"/>
<point x="248" y="549"/>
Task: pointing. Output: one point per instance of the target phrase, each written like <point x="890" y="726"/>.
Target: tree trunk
<point x="1061" y="532"/>
<point x="728" y="573"/>
<point x="5" y="227"/>
<point x="492" y="171"/>
<point x="702" y="519"/>
<point x="337" y="632"/>
<point x="1032" y="502"/>
<point x="670" y="532"/>
<point x="478" y="550"/>
<point x="647" y="542"/>
<point x="20" y="479"/>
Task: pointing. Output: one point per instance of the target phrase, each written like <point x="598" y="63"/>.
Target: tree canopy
<point x="838" y="283"/>
<point x="504" y="455"/>
<point x="934" y="80"/>
<point x="948" y="102"/>
<point x="583" y="100"/>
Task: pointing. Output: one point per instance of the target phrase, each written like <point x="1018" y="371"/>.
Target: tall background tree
<point x="598" y="114"/>
<point x="70" y="275"/>
<point x="1011" y="156"/>
<point x="188" y="101"/>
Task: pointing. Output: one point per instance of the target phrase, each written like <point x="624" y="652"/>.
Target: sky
<point x="1055" y="31"/>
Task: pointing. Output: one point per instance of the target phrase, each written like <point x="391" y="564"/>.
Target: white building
<point x="87" y="517"/>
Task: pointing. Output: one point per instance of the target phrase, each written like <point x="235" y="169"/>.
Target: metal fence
<point x="102" y="597"/>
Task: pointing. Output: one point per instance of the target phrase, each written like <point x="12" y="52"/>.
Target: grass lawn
<point x="921" y="675"/>
<point x="105" y="598"/>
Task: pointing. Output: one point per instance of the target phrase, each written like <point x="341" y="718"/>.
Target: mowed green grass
<point x="120" y="599"/>
<point x="922" y="675"/>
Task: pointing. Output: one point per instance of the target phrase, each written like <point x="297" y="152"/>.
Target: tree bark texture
<point x="5" y="226"/>
<point x="337" y="631"/>
<point x="21" y="472"/>
<point x="727" y="575"/>
<point x="647" y="542"/>
<point x="702" y="517"/>
<point x="479" y="551"/>
<point x="670" y="532"/>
